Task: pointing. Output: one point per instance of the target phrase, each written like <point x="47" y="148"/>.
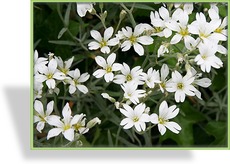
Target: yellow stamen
<point x="180" y="86"/>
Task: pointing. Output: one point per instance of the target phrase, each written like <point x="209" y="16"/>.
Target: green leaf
<point x="110" y="138"/>
<point x="219" y="131"/>
<point x="63" y="42"/>
<point x="66" y="18"/>
<point x="63" y="30"/>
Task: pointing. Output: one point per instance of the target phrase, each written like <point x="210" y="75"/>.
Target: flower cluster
<point x="53" y="71"/>
<point x="196" y="45"/>
<point x="202" y="42"/>
<point x="68" y="125"/>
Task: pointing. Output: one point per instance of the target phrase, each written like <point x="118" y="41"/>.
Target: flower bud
<point x="93" y="122"/>
<point x="93" y="11"/>
<point x="122" y="14"/>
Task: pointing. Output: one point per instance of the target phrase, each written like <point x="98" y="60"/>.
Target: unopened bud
<point x="93" y="122"/>
<point x="122" y="14"/>
<point x="93" y="11"/>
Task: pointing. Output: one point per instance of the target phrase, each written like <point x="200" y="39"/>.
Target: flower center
<point x="162" y="85"/>
<point x="42" y="118"/>
<point x="103" y="43"/>
<point x="180" y="86"/>
<point x="218" y="30"/>
<point x="77" y="126"/>
<point x="202" y="35"/>
<point x="204" y="56"/>
<point x="76" y="82"/>
<point x="66" y="127"/>
<point x="133" y="39"/>
<point x="108" y="69"/>
<point x="158" y="29"/>
<point x="129" y="77"/>
<point x="162" y="121"/>
<point x="135" y="119"/>
<point x="184" y="32"/>
<point x="63" y="70"/>
<point x="49" y="76"/>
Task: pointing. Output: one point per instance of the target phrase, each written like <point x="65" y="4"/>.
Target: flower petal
<point x="96" y="35"/>
<point x="40" y="126"/>
<point x="145" y="40"/>
<point x="161" y="129"/>
<point x="39" y="107"/>
<point x="139" y="49"/>
<point x="69" y="134"/>
<point x="173" y="126"/>
<point x="108" y="33"/>
<point x="99" y="73"/>
<point x="111" y="59"/>
<point x="82" y="88"/>
<point x="100" y="61"/>
<point x="53" y="132"/>
<point x="94" y="45"/>
<point x="50" y="107"/>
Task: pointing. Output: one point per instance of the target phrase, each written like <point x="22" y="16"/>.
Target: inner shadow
<point x="19" y="103"/>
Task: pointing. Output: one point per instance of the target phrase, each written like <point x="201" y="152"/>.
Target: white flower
<point x="108" y="66"/>
<point x="158" y="21"/>
<point x="162" y="50"/>
<point x="133" y="38"/>
<point x="77" y="81"/>
<point x="128" y="75"/>
<point x="37" y="90"/>
<point x="39" y="63"/>
<point x="220" y="32"/>
<point x="166" y="113"/>
<point x="64" y="67"/>
<point x="163" y="77"/>
<point x="78" y="122"/>
<point x="151" y="78"/>
<point x="82" y="8"/>
<point x="134" y="117"/>
<point x="41" y="117"/>
<point x="181" y="28"/>
<point x="49" y="74"/>
<point x="64" y="126"/>
<point x="103" y="42"/>
<point x="207" y="59"/>
<point x="181" y="86"/>
<point x="203" y="28"/>
<point x="132" y="93"/>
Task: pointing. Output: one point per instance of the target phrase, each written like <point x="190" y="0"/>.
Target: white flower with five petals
<point x="76" y="82"/>
<point x="127" y="76"/>
<point x="103" y="42"/>
<point x="162" y="121"/>
<point x="108" y="66"/>
<point x="42" y="116"/>
<point x="181" y="86"/>
<point x="134" y="38"/>
<point x="50" y="74"/>
<point x="134" y="117"/>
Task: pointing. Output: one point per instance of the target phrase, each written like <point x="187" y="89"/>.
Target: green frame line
<point x="117" y="148"/>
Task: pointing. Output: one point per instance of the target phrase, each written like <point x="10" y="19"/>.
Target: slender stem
<point x="118" y="25"/>
<point x="65" y="92"/>
<point x="118" y="133"/>
<point x="130" y="14"/>
<point x="55" y="105"/>
<point x="102" y="21"/>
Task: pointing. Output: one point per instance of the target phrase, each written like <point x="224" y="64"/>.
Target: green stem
<point x="130" y="14"/>
<point x="64" y="96"/>
<point x="117" y="136"/>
